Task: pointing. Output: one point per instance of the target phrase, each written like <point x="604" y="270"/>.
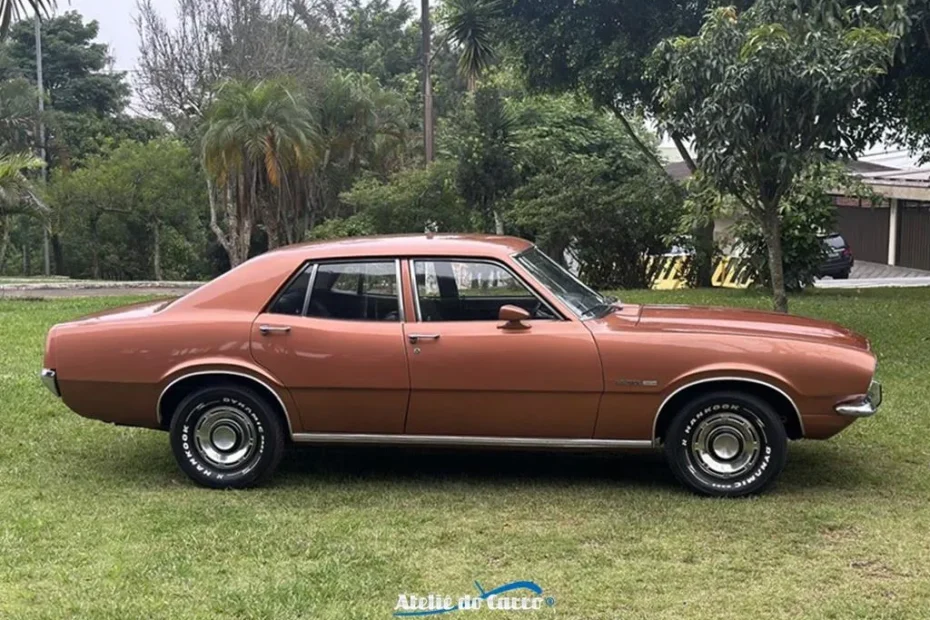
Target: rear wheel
<point x="843" y="275"/>
<point x="726" y="444"/>
<point x="226" y="436"/>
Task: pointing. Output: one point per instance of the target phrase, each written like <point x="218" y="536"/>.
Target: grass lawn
<point x="96" y="521"/>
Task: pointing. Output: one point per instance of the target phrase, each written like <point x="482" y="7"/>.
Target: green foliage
<point x="412" y="201"/>
<point x="122" y="209"/>
<point x="766" y="93"/>
<point x="599" y="47"/>
<point x="74" y="66"/>
<point x="483" y="142"/>
<point x="588" y="190"/>
<point x="469" y="24"/>
<point x="377" y="39"/>
<point x="807" y="214"/>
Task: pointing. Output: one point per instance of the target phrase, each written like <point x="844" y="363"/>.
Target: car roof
<point x="410" y="245"/>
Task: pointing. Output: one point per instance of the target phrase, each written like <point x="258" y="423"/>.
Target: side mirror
<point x="513" y="317"/>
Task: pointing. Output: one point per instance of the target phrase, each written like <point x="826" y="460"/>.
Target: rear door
<point x="471" y="376"/>
<point x="335" y="338"/>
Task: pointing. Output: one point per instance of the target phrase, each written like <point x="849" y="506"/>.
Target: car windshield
<point x="570" y="290"/>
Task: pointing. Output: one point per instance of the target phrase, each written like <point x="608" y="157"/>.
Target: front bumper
<point x="50" y="380"/>
<point x="864" y="407"/>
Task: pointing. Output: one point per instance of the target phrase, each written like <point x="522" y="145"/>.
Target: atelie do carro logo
<point x="513" y="596"/>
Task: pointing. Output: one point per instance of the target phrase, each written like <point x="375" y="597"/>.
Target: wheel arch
<point x="175" y="391"/>
<point x="776" y="396"/>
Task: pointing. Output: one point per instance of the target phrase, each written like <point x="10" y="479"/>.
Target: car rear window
<point x="835" y="241"/>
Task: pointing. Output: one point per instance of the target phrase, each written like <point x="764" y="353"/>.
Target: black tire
<point x="843" y="275"/>
<point x="226" y="437"/>
<point x="700" y="439"/>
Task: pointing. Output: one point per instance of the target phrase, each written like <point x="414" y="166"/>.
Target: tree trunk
<point x="4" y="241"/>
<point x="426" y="31"/>
<point x="702" y="233"/>
<point x="498" y="223"/>
<point x="156" y="254"/>
<point x="771" y="230"/>
<point x="58" y="254"/>
<point x="94" y="251"/>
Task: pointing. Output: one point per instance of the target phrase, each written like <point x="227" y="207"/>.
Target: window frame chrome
<point x="314" y="266"/>
<point x="581" y="317"/>
<point x="411" y="268"/>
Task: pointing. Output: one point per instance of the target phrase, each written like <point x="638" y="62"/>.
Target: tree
<point x="74" y="65"/>
<point x="17" y="115"/>
<point x="766" y="93"/>
<point x="361" y="127"/>
<point x="586" y="191"/>
<point x="601" y="48"/>
<point x="15" y="10"/>
<point x="212" y="41"/>
<point x="426" y="51"/>
<point x="376" y="38"/>
<point x="257" y="135"/>
<point x="17" y="194"/>
<point x="128" y="213"/>
<point x="412" y="201"/>
<point x="469" y="24"/>
<point x="484" y="148"/>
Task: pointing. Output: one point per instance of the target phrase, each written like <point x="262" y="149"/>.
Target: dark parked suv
<point x="839" y="258"/>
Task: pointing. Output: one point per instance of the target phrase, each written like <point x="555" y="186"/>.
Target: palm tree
<point x="258" y="137"/>
<point x="468" y="23"/>
<point x="17" y="195"/>
<point x="13" y="10"/>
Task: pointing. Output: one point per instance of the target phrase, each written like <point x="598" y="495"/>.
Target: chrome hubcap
<point x="225" y="437"/>
<point x="725" y="445"/>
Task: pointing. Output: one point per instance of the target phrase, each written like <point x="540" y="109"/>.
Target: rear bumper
<point x="864" y="407"/>
<point x="50" y="379"/>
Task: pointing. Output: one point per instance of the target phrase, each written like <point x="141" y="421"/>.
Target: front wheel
<point x="726" y="444"/>
<point x="226" y="436"/>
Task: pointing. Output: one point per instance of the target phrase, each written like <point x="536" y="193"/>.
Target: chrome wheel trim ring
<point x="725" y="445"/>
<point x="225" y="437"/>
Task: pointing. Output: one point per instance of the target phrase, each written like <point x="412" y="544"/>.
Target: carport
<point x="895" y="232"/>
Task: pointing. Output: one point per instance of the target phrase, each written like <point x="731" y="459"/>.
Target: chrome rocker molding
<point x="865" y="407"/>
<point x="222" y="372"/>
<point x="468" y="440"/>
<point x="655" y="421"/>
<point x="50" y="381"/>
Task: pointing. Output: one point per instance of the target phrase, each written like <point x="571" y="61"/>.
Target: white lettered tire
<point x="226" y="436"/>
<point x="726" y="444"/>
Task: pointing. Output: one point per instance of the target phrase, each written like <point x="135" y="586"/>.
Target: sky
<point x="116" y="24"/>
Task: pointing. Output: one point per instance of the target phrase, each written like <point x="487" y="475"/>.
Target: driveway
<point x="878" y="275"/>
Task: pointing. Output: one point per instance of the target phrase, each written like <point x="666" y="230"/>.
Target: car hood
<point x="735" y="321"/>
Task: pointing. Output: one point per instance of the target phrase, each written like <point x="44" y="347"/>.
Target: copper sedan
<point x="456" y="341"/>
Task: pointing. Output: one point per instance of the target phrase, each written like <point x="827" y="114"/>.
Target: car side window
<point x="291" y="300"/>
<point x="356" y="291"/>
<point x="461" y="290"/>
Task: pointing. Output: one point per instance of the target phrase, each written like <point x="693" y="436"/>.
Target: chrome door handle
<point x="414" y="338"/>
<point x="270" y="329"/>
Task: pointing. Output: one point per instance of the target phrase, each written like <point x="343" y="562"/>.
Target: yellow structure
<point x="729" y="272"/>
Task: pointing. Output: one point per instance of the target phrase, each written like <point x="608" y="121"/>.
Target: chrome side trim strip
<point x="287" y="416"/>
<point x="655" y="421"/>
<point x="50" y="381"/>
<point x="467" y="440"/>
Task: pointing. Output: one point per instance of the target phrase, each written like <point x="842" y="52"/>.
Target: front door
<point x="340" y="350"/>
<point x="470" y="376"/>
